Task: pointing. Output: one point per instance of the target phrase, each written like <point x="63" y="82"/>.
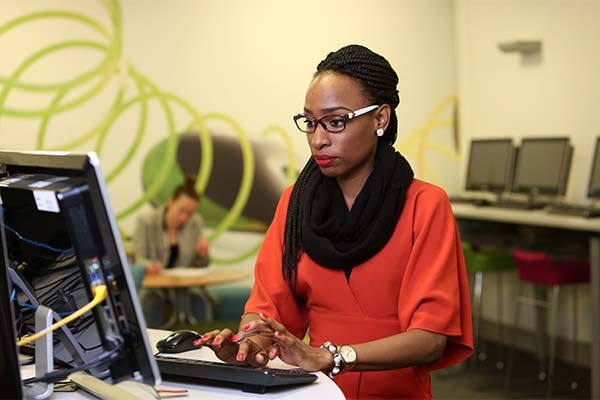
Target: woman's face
<point x="349" y="154"/>
<point x="180" y="210"/>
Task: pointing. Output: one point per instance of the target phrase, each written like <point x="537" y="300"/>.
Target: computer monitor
<point x="594" y="186"/>
<point x="61" y="239"/>
<point x="10" y="377"/>
<point x="490" y="165"/>
<point x="543" y="166"/>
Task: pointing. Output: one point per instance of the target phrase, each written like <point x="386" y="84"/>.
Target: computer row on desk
<point x="539" y="168"/>
<point x="556" y="208"/>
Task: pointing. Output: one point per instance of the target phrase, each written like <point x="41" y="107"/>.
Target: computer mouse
<point x="178" y="342"/>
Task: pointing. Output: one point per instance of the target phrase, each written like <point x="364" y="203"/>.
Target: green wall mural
<point x="161" y="172"/>
<point x="227" y="204"/>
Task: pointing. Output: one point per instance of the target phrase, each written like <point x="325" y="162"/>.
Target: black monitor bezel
<point x="10" y="372"/>
<point x="508" y="173"/>
<point x="565" y="171"/>
<point x="594" y="194"/>
<point x="87" y="165"/>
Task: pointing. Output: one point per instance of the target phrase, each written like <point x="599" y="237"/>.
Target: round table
<point x="179" y="281"/>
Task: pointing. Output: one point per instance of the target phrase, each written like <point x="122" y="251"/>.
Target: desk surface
<point x="323" y="388"/>
<point x="526" y="217"/>
<point x="214" y="276"/>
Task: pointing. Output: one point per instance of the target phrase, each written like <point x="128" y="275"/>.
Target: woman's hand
<point x="202" y="247"/>
<point x="288" y="347"/>
<point x="233" y="349"/>
<point x="154" y="268"/>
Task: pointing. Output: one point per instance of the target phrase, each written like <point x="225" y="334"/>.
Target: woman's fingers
<point x="214" y="338"/>
<point x="249" y="352"/>
<point x="273" y="352"/>
<point x="253" y="328"/>
<point x="222" y="336"/>
<point x="243" y="350"/>
<point x="284" y="339"/>
<point x="275" y="325"/>
<point x="261" y="359"/>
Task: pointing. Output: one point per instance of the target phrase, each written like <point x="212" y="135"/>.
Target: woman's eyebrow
<point x="329" y="109"/>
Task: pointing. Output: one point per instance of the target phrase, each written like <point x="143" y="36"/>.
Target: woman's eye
<point x="336" y="122"/>
<point x="310" y="123"/>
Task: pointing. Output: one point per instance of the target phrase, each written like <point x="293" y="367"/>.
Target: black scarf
<point x="337" y="238"/>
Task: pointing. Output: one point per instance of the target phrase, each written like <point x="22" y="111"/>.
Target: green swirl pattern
<point x="73" y="92"/>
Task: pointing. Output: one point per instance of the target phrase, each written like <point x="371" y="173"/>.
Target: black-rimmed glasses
<point x="331" y="123"/>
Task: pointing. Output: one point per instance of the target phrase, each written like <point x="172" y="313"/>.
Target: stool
<point x="479" y="263"/>
<point x="537" y="268"/>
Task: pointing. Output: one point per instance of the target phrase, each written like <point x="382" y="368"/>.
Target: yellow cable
<point x="100" y="293"/>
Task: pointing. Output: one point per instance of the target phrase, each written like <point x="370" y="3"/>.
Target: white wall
<point x="504" y="94"/>
<point x="558" y="94"/>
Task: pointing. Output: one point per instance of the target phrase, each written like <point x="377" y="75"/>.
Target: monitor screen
<point x="543" y="166"/>
<point x="490" y="165"/>
<point x="594" y="187"/>
<point x="62" y="239"/>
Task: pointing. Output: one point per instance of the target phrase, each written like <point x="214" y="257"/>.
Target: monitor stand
<point x="44" y="360"/>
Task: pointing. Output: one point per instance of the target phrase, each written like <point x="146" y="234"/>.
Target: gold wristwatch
<point x="344" y="357"/>
<point x="348" y="355"/>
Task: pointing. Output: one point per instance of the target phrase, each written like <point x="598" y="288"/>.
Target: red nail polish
<point x="198" y="342"/>
<point x="217" y="340"/>
<point x="246" y="327"/>
<point x="235" y="338"/>
<point x="205" y="336"/>
<point x="278" y="334"/>
<point x="240" y="357"/>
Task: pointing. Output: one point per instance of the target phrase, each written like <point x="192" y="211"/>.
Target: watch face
<point x="348" y="354"/>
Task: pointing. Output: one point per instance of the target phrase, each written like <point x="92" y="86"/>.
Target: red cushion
<point x="536" y="267"/>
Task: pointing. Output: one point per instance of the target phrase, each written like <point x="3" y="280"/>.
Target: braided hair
<point x="377" y="80"/>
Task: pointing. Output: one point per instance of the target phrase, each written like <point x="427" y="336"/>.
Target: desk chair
<point x="479" y="263"/>
<point x="537" y="268"/>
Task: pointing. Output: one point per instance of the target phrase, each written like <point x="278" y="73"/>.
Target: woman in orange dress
<point x="360" y="255"/>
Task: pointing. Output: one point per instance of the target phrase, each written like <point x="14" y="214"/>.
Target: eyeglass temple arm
<point x="362" y="111"/>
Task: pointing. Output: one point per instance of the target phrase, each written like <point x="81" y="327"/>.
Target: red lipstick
<point x="324" y="161"/>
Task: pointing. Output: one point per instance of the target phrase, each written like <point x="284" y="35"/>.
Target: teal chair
<point x="479" y="263"/>
<point x="228" y="301"/>
<point x="138" y="272"/>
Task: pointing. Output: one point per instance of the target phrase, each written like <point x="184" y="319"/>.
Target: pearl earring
<point x="380" y="132"/>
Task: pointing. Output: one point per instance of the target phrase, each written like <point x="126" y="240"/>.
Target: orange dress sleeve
<point x="271" y="294"/>
<point x="434" y="294"/>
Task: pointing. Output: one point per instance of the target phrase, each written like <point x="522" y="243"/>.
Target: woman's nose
<point x="320" y="137"/>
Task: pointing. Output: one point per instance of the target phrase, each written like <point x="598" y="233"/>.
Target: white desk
<point x="543" y="219"/>
<point x="323" y="388"/>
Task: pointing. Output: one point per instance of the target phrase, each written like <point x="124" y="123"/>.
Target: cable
<point x="34" y="243"/>
<point x="100" y="293"/>
<point x="34" y="308"/>
<point x="63" y="374"/>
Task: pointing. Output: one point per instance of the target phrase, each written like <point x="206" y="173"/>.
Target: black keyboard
<point x="250" y="379"/>
<point x="518" y="205"/>
<point x="574" y="210"/>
